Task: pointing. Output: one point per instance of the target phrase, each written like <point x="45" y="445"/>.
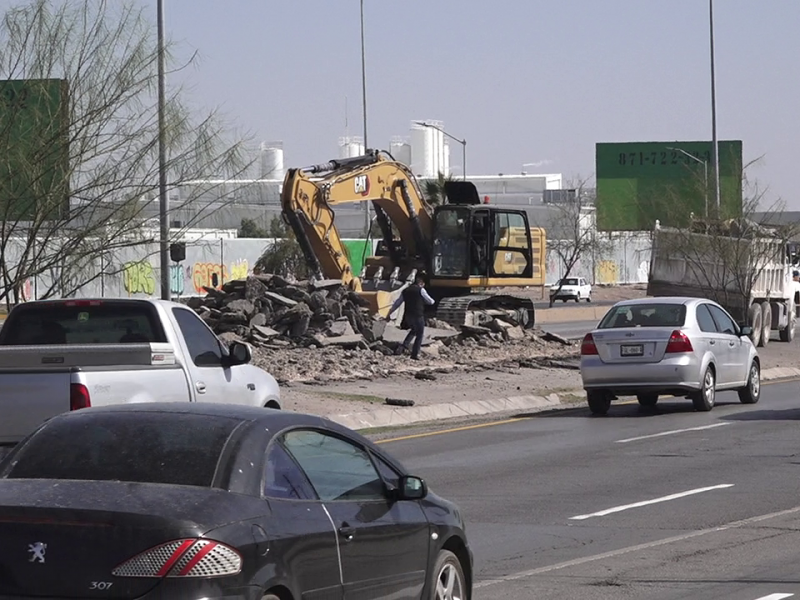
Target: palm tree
<point x="433" y="189"/>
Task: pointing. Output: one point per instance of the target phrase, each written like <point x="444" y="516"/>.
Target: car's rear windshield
<point x="171" y="448"/>
<point x="82" y="323"/>
<point x="569" y="282"/>
<point x="645" y="315"/>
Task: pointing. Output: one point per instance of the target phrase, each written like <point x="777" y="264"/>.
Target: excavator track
<point x="478" y="309"/>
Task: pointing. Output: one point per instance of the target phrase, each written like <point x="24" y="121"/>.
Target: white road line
<point x="646" y="546"/>
<point x="775" y="597"/>
<point x="673" y="432"/>
<point x="616" y="509"/>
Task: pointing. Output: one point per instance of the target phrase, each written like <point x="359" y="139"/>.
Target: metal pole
<point x="705" y="179"/>
<point x="367" y="215"/>
<point x="715" y="147"/>
<point x="464" y="158"/>
<point x="364" y="77"/>
<point x="162" y="160"/>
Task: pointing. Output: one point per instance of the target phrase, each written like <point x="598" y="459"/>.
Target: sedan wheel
<point x="647" y="400"/>
<point x="751" y="393"/>
<point x="704" y="398"/>
<point x="599" y="402"/>
<point x="449" y="581"/>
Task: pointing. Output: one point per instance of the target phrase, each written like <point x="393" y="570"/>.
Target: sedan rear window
<point x="140" y="447"/>
<point x="644" y="315"/>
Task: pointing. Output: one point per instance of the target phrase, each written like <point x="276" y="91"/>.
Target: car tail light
<point x="679" y="342"/>
<point x="183" y="558"/>
<point x="588" y="347"/>
<point x="79" y="397"/>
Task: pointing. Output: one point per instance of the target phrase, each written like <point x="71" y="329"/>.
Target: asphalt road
<point x="551" y="501"/>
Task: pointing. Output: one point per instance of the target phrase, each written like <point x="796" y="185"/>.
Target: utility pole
<point x="715" y="145"/>
<point x="163" y="215"/>
<point x="367" y="211"/>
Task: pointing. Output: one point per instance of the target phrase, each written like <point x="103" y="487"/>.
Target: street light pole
<point x="364" y="77"/>
<point x="462" y="142"/>
<point x="163" y="214"/>
<point x="715" y="146"/>
<point x="705" y="173"/>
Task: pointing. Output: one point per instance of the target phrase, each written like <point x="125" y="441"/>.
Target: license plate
<point x="631" y="350"/>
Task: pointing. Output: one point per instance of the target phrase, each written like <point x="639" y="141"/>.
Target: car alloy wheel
<point x="751" y="393"/>
<point x="704" y="398"/>
<point x="449" y="582"/>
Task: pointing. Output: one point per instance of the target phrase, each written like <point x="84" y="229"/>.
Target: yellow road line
<point x="453" y="430"/>
<point x="515" y="420"/>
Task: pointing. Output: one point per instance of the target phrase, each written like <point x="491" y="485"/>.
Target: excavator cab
<point x="478" y="245"/>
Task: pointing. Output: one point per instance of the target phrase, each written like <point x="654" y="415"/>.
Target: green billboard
<point x="34" y="144"/>
<point x="641" y="182"/>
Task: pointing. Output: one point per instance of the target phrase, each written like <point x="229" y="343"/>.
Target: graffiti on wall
<point x="607" y="271"/>
<point x="213" y="275"/>
<point x="138" y="277"/>
<point x="176" y="279"/>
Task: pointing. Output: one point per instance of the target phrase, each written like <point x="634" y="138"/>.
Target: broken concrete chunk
<point x="280" y="299"/>
<point x="341" y="327"/>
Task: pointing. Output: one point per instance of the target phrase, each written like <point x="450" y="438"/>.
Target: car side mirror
<point x="411" y="488"/>
<point x="745" y="331"/>
<point x="239" y="354"/>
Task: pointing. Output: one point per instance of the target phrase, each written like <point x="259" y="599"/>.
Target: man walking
<point x="415" y="298"/>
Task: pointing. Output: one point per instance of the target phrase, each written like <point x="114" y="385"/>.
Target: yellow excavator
<point x="466" y="249"/>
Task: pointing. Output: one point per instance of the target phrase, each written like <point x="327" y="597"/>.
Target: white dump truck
<point x="752" y="275"/>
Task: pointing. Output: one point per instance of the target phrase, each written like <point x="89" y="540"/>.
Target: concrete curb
<point x="395" y="417"/>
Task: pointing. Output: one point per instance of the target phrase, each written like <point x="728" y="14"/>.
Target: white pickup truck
<point x="62" y="355"/>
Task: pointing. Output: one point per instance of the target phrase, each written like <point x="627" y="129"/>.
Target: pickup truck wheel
<point x="647" y="400"/>
<point x="578" y="297"/>
<point x="273" y="404"/>
<point x="766" y="323"/>
<point x="589" y="298"/>
<point x="754" y="319"/>
<point x="599" y="402"/>
<point x="751" y="393"/>
<point x="787" y="333"/>
<point x="703" y="399"/>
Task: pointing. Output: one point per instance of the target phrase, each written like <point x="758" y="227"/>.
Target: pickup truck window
<point x="127" y="447"/>
<point x="203" y="345"/>
<point x="82" y="323"/>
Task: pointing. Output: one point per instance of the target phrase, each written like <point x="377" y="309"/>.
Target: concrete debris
<point x="554" y="337"/>
<point x="321" y="329"/>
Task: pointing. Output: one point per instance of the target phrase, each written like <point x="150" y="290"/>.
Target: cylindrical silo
<point x="271" y="166"/>
<point x="400" y="150"/>
<point x="350" y="147"/>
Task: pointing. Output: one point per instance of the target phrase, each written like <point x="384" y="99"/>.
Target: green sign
<point x="641" y="182"/>
<point x="357" y="251"/>
<point x="34" y="143"/>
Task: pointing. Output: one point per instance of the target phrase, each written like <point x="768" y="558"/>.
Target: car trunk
<point x="632" y="345"/>
<point x="60" y="538"/>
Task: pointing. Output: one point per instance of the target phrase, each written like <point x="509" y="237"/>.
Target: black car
<point x="211" y="501"/>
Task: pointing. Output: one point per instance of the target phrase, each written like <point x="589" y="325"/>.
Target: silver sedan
<point x="651" y="347"/>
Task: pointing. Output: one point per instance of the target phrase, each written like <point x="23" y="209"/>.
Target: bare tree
<point x="77" y="178"/>
<point x="741" y="262"/>
<point x="573" y="234"/>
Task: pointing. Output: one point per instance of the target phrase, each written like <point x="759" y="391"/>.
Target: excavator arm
<point x="309" y="195"/>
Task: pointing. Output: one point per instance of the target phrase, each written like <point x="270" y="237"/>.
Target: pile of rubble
<point x="270" y="312"/>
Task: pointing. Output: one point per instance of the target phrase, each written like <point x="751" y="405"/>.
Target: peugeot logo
<point x="37" y="551"/>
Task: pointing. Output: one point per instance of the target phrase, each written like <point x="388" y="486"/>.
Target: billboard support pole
<point x="163" y="205"/>
<point x="714" y="144"/>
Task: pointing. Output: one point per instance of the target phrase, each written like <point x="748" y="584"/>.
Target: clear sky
<point x="522" y="80"/>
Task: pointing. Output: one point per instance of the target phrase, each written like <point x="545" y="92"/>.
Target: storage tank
<point x="351" y="146"/>
<point x="271" y="164"/>
<point x="427" y="148"/>
<point x="400" y="149"/>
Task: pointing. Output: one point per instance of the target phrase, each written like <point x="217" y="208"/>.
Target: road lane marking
<point x="775" y="597"/>
<point x="673" y="432"/>
<point x="453" y="430"/>
<point x="545" y="413"/>
<point x="646" y="546"/>
<point x="616" y="509"/>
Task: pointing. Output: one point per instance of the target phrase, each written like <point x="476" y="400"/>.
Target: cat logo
<point x="362" y="185"/>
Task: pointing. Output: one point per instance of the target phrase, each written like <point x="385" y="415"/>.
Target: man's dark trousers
<point x="416" y="331"/>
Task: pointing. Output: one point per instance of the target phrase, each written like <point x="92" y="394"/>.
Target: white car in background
<point x="572" y="288"/>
